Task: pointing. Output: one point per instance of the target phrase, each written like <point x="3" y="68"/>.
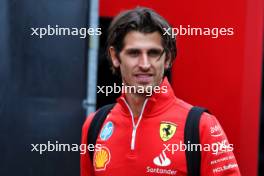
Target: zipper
<point x="133" y="138"/>
<point x="135" y="126"/>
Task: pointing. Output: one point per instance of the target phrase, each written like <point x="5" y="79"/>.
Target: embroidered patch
<point x="107" y="131"/>
<point x="167" y="130"/>
<point x="101" y="159"/>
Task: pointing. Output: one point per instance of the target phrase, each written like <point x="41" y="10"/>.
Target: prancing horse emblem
<point x="167" y="130"/>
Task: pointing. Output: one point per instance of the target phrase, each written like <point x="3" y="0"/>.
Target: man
<point x="143" y="133"/>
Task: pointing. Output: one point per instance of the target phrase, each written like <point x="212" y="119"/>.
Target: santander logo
<point x="162" y="160"/>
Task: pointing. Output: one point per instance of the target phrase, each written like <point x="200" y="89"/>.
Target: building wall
<point x="222" y="74"/>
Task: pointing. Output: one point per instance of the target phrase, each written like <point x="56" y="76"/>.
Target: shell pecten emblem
<point x="101" y="158"/>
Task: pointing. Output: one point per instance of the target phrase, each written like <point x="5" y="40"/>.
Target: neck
<point x="135" y="102"/>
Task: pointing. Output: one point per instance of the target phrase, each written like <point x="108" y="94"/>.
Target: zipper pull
<point x="133" y="138"/>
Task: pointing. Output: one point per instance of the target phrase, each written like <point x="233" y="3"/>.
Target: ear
<point x="167" y="63"/>
<point x="115" y="60"/>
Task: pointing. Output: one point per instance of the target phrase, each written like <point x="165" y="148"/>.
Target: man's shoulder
<point x="88" y="121"/>
<point x="182" y="105"/>
<point x="90" y="117"/>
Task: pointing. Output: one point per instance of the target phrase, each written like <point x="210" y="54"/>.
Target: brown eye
<point x="133" y="53"/>
<point x="154" y="53"/>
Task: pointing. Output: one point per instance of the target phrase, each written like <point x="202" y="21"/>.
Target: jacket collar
<point x="156" y="104"/>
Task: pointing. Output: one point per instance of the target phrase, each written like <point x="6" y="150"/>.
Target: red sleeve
<point x="85" y="162"/>
<point x="217" y="153"/>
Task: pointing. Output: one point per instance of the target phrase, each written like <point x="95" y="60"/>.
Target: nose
<point x="144" y="63"/>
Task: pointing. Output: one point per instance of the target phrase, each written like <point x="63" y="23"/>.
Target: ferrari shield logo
<point x="167" y="130"/>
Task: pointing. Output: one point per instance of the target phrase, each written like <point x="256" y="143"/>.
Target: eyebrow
<point x="138" y="49"/>
<point x="132" y="49"/>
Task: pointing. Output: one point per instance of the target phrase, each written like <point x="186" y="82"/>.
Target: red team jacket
<point x="153" y="143"/>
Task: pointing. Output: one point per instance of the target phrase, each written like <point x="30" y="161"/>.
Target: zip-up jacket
<point x="153" y="143"/>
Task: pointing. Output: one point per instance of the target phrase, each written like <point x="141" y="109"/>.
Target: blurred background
<point x="48" y="85"/>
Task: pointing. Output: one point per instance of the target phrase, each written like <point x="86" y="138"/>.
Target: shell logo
<point x="101" y="158"/>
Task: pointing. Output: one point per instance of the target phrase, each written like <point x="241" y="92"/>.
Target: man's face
<point x="142" y="59"/>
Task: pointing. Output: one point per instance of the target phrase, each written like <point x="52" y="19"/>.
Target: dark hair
<point x="140" y="19"/>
